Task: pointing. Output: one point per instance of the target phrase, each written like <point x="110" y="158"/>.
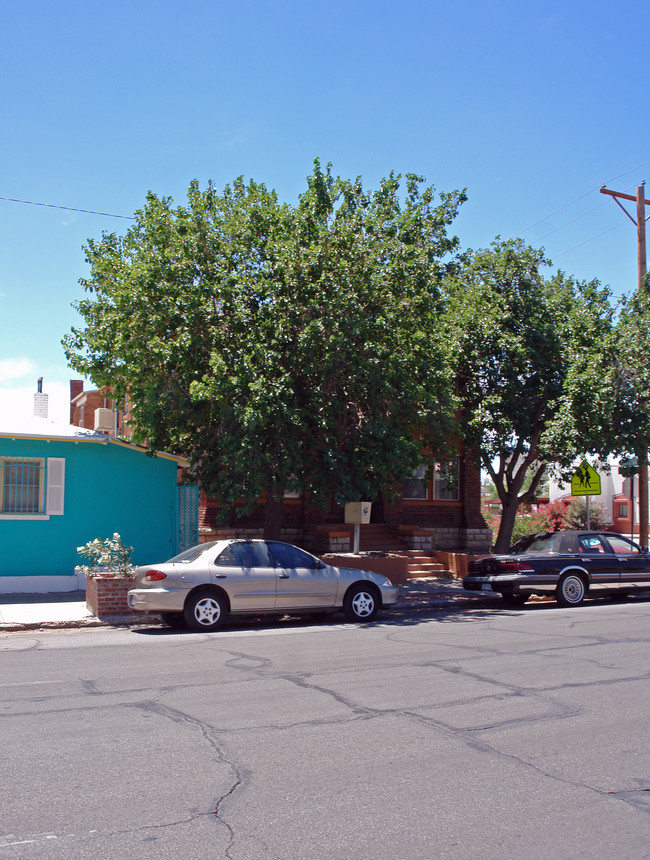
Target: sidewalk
<point x="65" y="610"/>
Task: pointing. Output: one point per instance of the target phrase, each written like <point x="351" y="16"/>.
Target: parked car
<point x="570" y="565"/>
<point x="203" y="585"/>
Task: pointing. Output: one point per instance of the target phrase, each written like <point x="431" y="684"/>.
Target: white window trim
<point x="24" y="517"/>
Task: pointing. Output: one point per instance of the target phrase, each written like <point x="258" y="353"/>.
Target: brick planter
<point x="106" y="595"/>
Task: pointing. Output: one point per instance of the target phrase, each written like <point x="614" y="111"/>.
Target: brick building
<point x="442" y="512"/>
<point x="95" y="410"/>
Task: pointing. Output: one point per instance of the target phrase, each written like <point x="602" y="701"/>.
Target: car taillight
<point x="516" y="566"/>
<point x="154" y="576"/>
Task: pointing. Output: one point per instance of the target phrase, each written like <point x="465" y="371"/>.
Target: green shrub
<point x="547" y="518"/>
<point x="577" y="515"/>
<point x="107" y="556"/>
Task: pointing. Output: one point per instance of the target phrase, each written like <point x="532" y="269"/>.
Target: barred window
<point x="22" y="487"/>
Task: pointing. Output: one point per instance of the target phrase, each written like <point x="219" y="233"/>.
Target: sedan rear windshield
<point x="545" y="544"/>
<point x="193" y="552"/>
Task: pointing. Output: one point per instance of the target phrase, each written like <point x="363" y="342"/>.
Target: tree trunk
<point x="508" y="516"/>
<point x="273" y="514"/>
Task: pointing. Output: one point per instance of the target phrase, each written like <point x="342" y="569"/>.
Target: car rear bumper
<point x="515" y="584"/>
<point x="156" y="599"/>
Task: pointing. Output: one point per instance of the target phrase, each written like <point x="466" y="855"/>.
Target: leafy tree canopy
<point x="533" y="362"/>
<point x="278" y="346"/>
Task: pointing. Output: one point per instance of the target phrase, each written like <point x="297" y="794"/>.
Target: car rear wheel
<point x="360" y="603"/>
<point x="173" y="619"/>
<point x="205" y="612"/>
<point x="570" y="590"/>
<point x="514" y="599"/>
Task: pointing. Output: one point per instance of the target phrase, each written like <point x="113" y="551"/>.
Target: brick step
<point x="423" y="559"/>
<point x="433" y="566"/>
<point x="380" y="546"/>
<point x="376" y="537"/>
<point x="424" y="574"/>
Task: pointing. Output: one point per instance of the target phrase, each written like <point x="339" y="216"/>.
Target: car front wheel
<point x="360" y="604"/>
<point x="570" y="590"/>
<point x="205" y="612"/>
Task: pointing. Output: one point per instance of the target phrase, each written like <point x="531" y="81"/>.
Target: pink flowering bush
<point x="547" y="518"/>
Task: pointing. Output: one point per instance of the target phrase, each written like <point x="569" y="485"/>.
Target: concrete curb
<point x="417" y="602"/>
<point x="75" y="623"/>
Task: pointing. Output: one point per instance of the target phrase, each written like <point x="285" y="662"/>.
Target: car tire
<point x="571" y="590"/>
<point x="173" y="619"/>
<point x="361" y="603"/>
<point x="205" y="611"/>
<point x="515" y="599"/>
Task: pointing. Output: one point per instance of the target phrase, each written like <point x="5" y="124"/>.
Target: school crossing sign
<point x="585" y="481"/>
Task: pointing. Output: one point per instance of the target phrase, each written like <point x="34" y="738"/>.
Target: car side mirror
<point x="645" y="549"/>
<point x="319" y="565"/>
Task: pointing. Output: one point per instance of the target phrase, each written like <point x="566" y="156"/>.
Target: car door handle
<point x="283" y="575"/>
<point x="220" y="575"/>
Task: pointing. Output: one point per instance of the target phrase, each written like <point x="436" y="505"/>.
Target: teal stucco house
<point x="62" y="485"/>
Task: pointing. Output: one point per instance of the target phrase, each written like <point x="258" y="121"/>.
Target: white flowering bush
<point x="107" y="556"/>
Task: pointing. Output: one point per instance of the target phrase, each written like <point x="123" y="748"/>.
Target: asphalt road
<point x="479" y="733"/>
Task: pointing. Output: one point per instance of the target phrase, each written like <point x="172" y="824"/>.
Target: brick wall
<point x="106" y="595"/>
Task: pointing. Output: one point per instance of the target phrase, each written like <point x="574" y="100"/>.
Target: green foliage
<point x="631" y="374"/>
<point x="533" y="367"/>
<point x="108" y="555"/>
<point x="546" y="518"/>
<point x="278" y="347"/>
<point x="576" y="515"/>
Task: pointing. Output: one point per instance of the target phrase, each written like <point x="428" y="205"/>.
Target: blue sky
<point x="529" y="106"/>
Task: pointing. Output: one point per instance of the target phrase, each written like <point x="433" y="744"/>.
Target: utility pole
<point x="639" y="222"/>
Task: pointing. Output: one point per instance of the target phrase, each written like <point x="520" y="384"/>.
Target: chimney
<point x="40" y="400"/>
<point x="76" y="388"/>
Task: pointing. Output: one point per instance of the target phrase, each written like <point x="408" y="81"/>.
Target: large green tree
<point x="532" y="358"/>
<point x="278" y="347"/>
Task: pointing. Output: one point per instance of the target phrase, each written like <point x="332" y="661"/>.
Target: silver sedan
<point x="203" y="585"/>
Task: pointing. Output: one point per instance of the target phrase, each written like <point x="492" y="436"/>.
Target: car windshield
<point x="193" y="552"/>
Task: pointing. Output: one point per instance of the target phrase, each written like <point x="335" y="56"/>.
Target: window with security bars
<point x="22" y="485"/>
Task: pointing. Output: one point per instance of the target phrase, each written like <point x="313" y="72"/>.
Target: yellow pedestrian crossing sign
<point x="585" y="481"/>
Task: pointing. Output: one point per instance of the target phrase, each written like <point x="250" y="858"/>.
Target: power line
<point x="573" y="220"/>
<point x="586" y="241"/>
<point x="68" y="208"/>
<point x="591" y="190"/>
<point x="566" y="224"/>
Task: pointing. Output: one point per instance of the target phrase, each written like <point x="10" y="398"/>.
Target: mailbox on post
<point x="357" y="513"/>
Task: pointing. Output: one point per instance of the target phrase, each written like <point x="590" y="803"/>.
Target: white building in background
<point x="618" y="499"/>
